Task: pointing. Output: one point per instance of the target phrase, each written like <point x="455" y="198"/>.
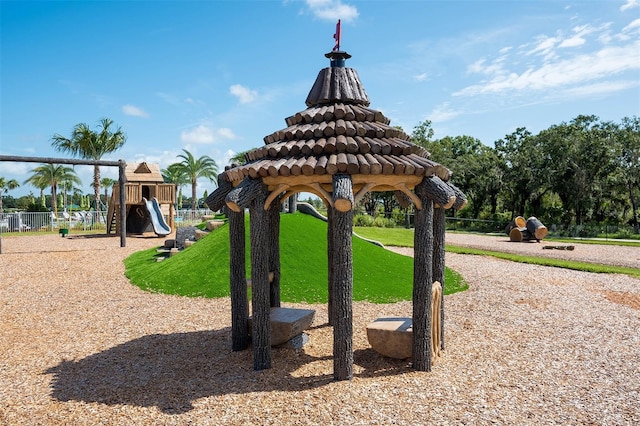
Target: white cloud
<point x="200" y="135"/>
<point x="578" y="69"/>
<point x="421" y="77"/>
<point x="606" y="87"/>
<point x="442" y="112"/>
<point x="545" y="46"/>
<point x="632" y="26"/>
<point x="204" y="134"/>
<point x="226" y="133"/>
<point x="630" y="4"/>
<point x="134" y="111"/>
<point x="332" y="10"/>
<point x="244" y="94"/>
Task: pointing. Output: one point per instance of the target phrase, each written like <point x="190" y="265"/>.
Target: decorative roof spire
<point x="337" y="56"/>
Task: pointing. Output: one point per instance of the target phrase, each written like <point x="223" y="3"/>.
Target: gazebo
<point x="338" y="149"/>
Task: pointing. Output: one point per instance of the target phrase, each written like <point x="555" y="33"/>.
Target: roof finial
<point x="337" y="56"/>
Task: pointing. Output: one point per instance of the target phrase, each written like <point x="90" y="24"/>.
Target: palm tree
<point x="203" y="167"/>
<point x="7" y="185"/>
<point x="107" y="183"/>
<point x="91" y="145"/>
<point x="54" y="175"/>
<point x="176" y="175"/>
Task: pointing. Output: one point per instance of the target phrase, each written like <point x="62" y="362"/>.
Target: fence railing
<point x="47" y="221"/>
<point x="19" y="222"/>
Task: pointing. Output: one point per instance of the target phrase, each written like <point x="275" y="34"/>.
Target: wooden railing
<point x="166" y="193"/>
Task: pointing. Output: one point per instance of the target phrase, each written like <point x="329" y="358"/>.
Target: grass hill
<point x="379" y="275"/>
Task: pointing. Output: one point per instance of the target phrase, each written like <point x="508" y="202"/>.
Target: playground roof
<point x="143" y="172"/>
<point x="337" y="134"/>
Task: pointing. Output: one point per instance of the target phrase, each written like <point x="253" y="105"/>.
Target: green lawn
<point x="404" y="238"/>
<point x="379" y="275"/>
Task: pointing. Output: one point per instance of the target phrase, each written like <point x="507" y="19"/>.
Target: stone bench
<point x="393" y="336"/>
<point x="287" y="323"/>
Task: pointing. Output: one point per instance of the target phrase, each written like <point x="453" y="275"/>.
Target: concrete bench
<point x="287" y="323"/>
<point x="393" y="336"/>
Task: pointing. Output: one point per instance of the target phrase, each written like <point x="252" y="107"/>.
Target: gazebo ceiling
<point x="337" y="134"/>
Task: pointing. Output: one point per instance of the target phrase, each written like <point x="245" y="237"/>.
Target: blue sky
<point x="215" y="77"/>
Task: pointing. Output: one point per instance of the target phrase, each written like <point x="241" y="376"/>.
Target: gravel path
<point x="524" y="345"/>
<point x="604" y="254"/>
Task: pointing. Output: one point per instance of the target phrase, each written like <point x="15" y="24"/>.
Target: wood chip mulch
<point x="525" y="344"/>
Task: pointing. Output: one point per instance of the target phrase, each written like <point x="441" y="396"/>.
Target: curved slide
<point x="160" y="227"/>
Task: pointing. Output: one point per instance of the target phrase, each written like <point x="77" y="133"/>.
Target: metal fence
<point x="49" y="222"/>
<point x="20" y="222"/>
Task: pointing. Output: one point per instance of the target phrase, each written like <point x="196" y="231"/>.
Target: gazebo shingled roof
<point x="339" y="149"/>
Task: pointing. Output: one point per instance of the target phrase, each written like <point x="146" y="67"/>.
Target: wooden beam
<point x="343" y="193"/>
<point x="274" y="194"/>
<point x="242" y="195"/>
<point x="439" y="192"/>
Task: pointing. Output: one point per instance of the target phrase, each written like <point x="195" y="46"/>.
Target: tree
<point x="7" y="185"/>
<point x="238" y="158"/>
<point x="176" y="175"/>
<point x="422" y="134"/>
<point x="203" y="167"/>
<point x="91" y="145"/>
<point x="107" y="183"/>
<point x="628" y="163"/>
<point x="54" y="174"/>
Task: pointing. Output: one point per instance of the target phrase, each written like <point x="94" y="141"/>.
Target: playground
<point x="526" y="344"/>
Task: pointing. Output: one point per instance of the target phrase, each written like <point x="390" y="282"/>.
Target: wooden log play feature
<point x="521" y="230"/>
<point x="393" y="336"/>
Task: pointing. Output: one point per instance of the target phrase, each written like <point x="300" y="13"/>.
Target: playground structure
<point x="531" y="229"/>
<point x="338" y="149"/>
<point x="148" y="201"/>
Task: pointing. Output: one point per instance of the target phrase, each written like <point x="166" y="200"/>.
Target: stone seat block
<point x="214" y="224"/>
<point x="391" y="336"/>
<point x="287" y="323"/>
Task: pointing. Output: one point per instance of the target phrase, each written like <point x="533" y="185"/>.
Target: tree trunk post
<point x="122" y="180"/>
<point x="238" y="281"/>
<point x="343" y="281"/>
<point x="293" y="203"/>
<point x="438" y="260"/>
<point x="261" y="333"/>
<point x="330" y="243"/>
<point x="274" y="251"/>
<point x="422" y="281"/>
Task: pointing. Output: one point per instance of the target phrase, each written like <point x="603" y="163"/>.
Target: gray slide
<point x="160" y="227"/>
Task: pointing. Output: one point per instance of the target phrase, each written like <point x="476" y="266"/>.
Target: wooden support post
<point x="343" y="280"/>
<point x="261" y="333"/>
<point x="122" y="180"/>
<point x="422" y="280"/>
<point x="438" y="261"/>
<point x="330" y="244"/>
<point x="274" y="252"/>
<point x="238" y="281"/>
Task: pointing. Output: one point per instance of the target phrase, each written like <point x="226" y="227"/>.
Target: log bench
<point x="287" y="323"/>
<point x="393" y="336"/>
